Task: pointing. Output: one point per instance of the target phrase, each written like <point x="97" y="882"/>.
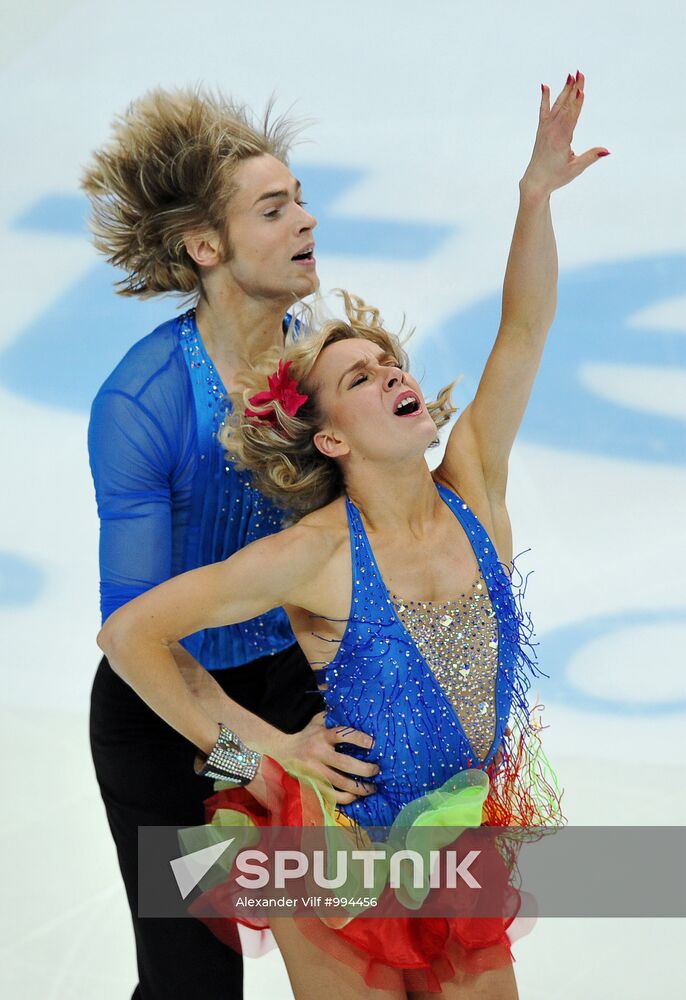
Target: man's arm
<point x="131" y="462"/>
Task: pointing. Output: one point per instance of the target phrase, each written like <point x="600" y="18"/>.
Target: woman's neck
<point x="395" y="498"/>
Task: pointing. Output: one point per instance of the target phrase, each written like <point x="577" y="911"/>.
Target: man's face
<point x="270" y="233"/>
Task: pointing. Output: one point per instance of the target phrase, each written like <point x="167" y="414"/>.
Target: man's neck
<point x="236" y="330"/>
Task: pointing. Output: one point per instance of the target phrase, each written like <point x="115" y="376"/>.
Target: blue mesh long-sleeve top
<point x="168" y="500"/>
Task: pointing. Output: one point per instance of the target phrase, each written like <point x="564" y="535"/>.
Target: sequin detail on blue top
<point x="167" y="498"/>
<point x="380" y="683"/>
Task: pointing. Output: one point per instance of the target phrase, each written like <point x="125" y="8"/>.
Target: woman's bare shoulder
<point x="319" y="546"/>
<point x="318" y="534"/>
<point x="330" y="519"/>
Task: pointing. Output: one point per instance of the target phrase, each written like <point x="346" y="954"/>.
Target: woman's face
<point x="373" y="408"/>
<point x="270" y="233"/>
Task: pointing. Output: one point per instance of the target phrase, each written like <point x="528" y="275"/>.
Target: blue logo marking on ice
<point x="594" y="330"/>
<point x="629" y="661"/>
<point x="190" y="869"/>
<point x="21" y="581"/>
<point x="63" y="355"/>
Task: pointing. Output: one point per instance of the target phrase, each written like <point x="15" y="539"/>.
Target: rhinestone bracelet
<point x="230" y="759"/>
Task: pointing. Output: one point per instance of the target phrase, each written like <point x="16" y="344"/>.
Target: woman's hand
<point x="553" y="162"/>
<point x="313" y="752"/>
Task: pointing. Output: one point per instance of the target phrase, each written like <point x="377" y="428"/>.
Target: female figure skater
<point x="191" y="197"/>
<point x="393" y="577"/>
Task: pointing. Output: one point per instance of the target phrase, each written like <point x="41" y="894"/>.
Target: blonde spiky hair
<point x="166" y="174"/>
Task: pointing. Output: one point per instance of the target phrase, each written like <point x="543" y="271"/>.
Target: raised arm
<point x="487" y="428"/>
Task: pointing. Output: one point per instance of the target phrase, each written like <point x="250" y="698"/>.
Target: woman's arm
<point x="140" y="638"/>
<point x="486" y="429"/>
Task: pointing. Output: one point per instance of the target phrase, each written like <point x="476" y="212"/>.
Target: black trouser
<point x="145" y="773"/>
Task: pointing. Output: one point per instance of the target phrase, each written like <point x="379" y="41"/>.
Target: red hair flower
<point x="283" y="389"/>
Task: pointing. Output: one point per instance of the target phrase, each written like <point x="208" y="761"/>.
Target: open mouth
<point x="305" y="255"/>
<point x="407" y="405"/>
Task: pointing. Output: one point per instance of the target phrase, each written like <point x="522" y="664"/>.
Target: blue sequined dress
<point x="381" y="683"/>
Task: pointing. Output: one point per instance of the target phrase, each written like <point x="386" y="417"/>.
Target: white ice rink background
<point x="424" y="116"/>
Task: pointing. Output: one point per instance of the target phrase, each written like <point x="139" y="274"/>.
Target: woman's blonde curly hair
<point x="285" y="463"/>
<point x="167" y="173"/>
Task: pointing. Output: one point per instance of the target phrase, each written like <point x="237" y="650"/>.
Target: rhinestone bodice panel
<point x="459" y="641"/>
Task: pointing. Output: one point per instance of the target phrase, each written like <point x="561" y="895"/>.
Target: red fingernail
<point x="543" y="88"/>
<point x="570" y="79"/>
<point x="604" y="152"/>
<point x="577" y="76"/>
<point x="578" y="93"/>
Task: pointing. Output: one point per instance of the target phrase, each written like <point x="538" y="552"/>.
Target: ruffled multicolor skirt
<point x="414" y="952"/>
